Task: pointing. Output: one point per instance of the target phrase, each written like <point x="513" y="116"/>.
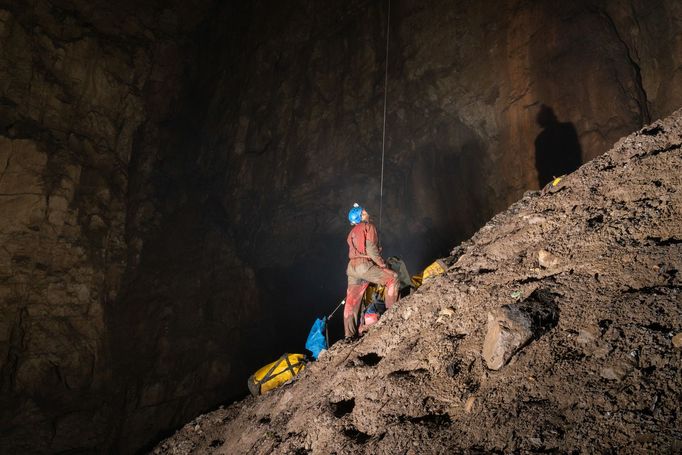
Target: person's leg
<point x="384" y="277"/>
<point x="392" y="287"/>
<point x="351" y="308"/>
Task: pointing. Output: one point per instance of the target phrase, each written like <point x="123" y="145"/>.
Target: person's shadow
<point x="557" y="150"/>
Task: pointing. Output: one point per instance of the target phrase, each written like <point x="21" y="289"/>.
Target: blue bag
<point x="317" y="341"/>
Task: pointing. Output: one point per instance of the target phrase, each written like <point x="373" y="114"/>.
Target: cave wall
<point x="175" y="178"/>
<point x="293" y="134"/>
<point x="465" y="85"/>
<point x="79" y="81"/>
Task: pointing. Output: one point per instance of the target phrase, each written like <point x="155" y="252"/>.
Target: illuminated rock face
<point x="84" y="87"/>
<point x="174" y="179"/>
<point x="69" y="106"/>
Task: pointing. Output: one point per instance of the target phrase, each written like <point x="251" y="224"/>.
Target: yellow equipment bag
<point x="374" y="292"/>
<point x="436" y="268"/>
<point x="377" y="291"/>
<point x="276" y="373"/>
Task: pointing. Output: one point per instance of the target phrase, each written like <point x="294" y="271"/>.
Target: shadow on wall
<point x="557" y="150"/>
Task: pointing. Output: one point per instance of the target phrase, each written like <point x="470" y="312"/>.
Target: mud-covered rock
<point x="513" y="326"/>
<point x="677" y="341"/>
<point x="547" y="260"/>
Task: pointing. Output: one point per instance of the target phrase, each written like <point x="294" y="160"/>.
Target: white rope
<point x="383" y="138"/>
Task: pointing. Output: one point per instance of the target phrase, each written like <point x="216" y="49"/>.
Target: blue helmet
<point x="355" y="214"/>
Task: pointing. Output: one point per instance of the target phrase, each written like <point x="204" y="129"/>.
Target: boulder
<point x="677" y="340"/>
<point x="547" y="260"/>
<point x="512" y="327"/>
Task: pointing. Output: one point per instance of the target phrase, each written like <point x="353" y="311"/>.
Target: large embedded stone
<point x="512" y="327"/>
<point x="508" y="331"/>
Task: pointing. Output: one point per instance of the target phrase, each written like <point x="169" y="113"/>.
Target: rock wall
<point x="77" y="85"/>
<point x="68" y="114"/>
<point x="292" y="135"/>
<point x="174" y="178"/>
<point x="189" y="324"/>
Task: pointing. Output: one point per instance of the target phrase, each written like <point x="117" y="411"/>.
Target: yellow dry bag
<point x="434" y="269"/>
<point x="276" y="373"/>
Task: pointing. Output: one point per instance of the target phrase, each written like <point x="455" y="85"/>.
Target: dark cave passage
<point x="175" y="178"/>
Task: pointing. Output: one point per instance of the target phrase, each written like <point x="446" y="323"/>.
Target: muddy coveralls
<point x="365" y="266"/>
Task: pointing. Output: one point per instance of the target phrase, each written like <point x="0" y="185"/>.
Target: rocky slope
<point x="604" y="247"/>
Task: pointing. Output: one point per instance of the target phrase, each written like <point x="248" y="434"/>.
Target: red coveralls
<point x="365" y="266"/>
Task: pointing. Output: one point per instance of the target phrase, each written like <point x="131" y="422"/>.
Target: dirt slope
<point x="606" y="377"/>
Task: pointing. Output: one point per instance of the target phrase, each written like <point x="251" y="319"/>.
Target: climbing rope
<point x="383" y="137"/>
